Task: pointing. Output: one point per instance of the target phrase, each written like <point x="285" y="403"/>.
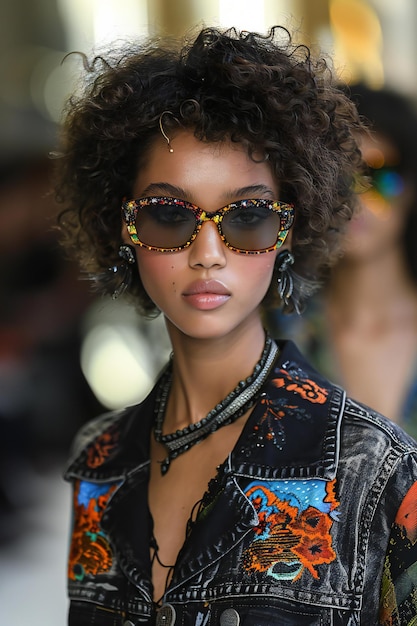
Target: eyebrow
<point x="249" y="191"/>
<point x="165" y="189"/>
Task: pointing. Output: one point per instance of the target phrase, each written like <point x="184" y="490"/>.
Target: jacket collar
<point x="292" y="432"/>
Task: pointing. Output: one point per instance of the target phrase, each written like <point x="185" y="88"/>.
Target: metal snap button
<point x="230" y="617"/>
<point x="128" y="623"/>
<point x="166" y="615"/>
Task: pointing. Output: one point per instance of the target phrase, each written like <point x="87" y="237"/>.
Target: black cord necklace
<point x="240" y="400"/>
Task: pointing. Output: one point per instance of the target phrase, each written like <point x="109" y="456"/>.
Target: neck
<point x="206" y="370"/>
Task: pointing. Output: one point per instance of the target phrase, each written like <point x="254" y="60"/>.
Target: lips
<point x="205" y="287"/>
<point x="206" y="295"/>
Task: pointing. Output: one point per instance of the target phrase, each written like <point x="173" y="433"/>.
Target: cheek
<point x="259" y="269"/>
<point x="157" y="271"/>
<point x="267" y="262"/>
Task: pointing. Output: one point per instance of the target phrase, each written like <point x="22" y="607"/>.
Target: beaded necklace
<point x="240" y="400"/>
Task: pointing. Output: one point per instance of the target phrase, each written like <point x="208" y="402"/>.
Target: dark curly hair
<point x="264" y="92"/>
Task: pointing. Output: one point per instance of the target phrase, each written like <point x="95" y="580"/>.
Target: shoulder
<point x="322" y="425"/>
<point x="378" y="448"/>
<point x="93" y="430"/>
<point x="112" y="444"/>
<point x="366" y="422"/>
<point x="353" y="414"/>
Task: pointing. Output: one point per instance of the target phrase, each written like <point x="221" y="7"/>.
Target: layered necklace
<point x="240" y="400"/>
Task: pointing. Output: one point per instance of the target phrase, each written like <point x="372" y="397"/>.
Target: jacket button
<point x="128" y="623"/>
<point x="229" y="617"/>
<point x="166" y="615"/>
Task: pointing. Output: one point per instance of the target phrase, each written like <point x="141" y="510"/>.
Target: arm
<point x="398" y="599"/>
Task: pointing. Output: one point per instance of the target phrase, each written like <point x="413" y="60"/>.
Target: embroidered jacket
<point x="311" y="520"/>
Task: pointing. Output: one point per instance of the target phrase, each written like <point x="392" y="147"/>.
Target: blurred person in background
<point x="362" y="328"/>
<point x="209" y="181"/>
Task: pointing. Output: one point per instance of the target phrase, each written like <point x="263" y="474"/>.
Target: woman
<point x="233" y="160"/>
<point x="362" y="330"/>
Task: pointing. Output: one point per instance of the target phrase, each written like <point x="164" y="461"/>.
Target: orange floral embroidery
<point x="314" y="551"/>
<point x="270" y="409"/>
<point x="407" y="514"/>
<point x="304" y="387"/>
<point x="89" y="557"/>
<point x="90" y="551"/>
<point x="101" y="449"/>
<point x="312" y="522"/>
<point x="398" y="601"/>
<point x="291" y="536"/>
<point x="331" y="494"/>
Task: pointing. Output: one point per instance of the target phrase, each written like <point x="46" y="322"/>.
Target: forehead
<point x="203" y="170"/>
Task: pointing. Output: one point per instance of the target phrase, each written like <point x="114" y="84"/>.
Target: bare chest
<point x="174" y="498"/>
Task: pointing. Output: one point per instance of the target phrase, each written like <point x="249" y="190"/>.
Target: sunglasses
<point x="386" y="181"/>
<point x="170" y="224"/>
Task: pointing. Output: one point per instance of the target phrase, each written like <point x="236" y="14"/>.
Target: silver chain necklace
<point x="240" y="400"/>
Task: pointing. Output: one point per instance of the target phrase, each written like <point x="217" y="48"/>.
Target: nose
<point x="207" y="249"/>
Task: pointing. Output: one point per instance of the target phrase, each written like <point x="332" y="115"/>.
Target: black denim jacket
<point x="296" y="528"/>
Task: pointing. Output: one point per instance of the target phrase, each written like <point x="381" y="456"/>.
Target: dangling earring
<point x="119" y="274"/>
<point x="127" y="252"/>
<point x="163" y="133"/>
<point x="123" y="271"/>
<point x="284" y="261"/>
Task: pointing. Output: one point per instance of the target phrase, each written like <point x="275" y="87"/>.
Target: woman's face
<point x="379" y="222"/>
<point x="205" y="290"/>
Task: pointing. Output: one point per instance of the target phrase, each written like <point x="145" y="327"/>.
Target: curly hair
<point x="262" y="91"/>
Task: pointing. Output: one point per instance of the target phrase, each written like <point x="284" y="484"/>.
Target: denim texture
<point x="292" y="531"/>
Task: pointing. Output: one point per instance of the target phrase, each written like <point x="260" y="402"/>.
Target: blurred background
<point x="59" y="345"/>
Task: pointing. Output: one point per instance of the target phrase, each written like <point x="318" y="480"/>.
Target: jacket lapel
<point x="292" y="433"/>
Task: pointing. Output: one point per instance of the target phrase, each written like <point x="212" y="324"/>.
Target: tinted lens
<point x="387" y="182"/>
<point x="165" y="225"/>
<point x="251" y="227"/>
